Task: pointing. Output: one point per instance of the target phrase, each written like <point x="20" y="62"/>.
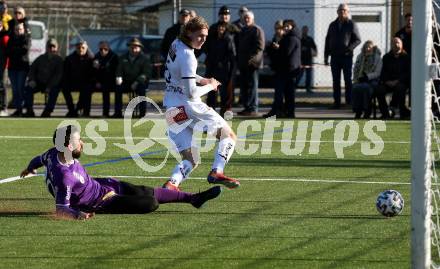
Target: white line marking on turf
<point x="11" y="179"/>
<point x="278" y="179"/>
<point x="212" y="139"/>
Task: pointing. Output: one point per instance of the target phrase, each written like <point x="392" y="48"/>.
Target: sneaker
<point x="17" y="113"/>
<point x="170" y="186"/>
<point x="215" y="177"/>
<point x="4" y="113"/>
<point x="200" y="198"/>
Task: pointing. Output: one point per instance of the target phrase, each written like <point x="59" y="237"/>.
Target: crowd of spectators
<point x="234" y="53"/>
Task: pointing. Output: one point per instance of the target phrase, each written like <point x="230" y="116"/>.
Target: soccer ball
<point x="389" y="203"/>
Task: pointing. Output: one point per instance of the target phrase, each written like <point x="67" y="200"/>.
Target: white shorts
<point x="183" y="120"/>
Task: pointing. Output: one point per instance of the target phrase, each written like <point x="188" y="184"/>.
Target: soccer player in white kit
<point x="185" y="111"/>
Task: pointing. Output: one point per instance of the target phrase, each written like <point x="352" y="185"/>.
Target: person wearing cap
<point x="220" y="59"/>
<point x="132" y="75"/>
<point x="78" y="76"/>
<point x="105" y="64"/>
<point x="172" y="32"/>
<point x="45" y="76"/>
<point x="4" y="37"/>
<point x="250" y="49"/>
<point x="17" y="51"/>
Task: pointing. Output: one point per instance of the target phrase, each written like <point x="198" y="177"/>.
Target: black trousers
<point x="133" y="199"/>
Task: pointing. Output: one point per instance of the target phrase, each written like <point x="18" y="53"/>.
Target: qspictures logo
<point x="263" y="137"/>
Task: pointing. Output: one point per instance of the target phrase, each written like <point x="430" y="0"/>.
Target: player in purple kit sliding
<point x="79" y="196"/>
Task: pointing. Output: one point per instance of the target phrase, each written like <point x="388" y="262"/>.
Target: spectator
<point x="192" y="14"/>
<point x="172" y="32"/>
<point x="78" y="75"/>
<point x="342" y="38"/>
<point x="4" y="27"/>
<point x="105" y="64"/>
<point x="45" y="75"/>
<point x="240" y="21"/>
<point x="289" y="67"/>
<point x="17" y="51"/>
<point x="224" y="17"/>
<point x="220" y="62"/>
<point x="366" y="72"/>
<point x="250" y="59"/>
<point x="394" y="78"/>
<point x="405" y="33"/>
<point x="272" y="51"/>
<point x="19" y="17"/>
<point x="308" y="51"/>
<point x="133" y="74"/>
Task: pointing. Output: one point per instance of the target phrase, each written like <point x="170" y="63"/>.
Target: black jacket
<point x="406" y="39"/>
<point x="220" y="57"/>
<point x="396" y="68"/>
<point x="78" y="71"/>
<point x="307" y="47"/>
<point x="18" y="52"/>
<point x="170" y="34"/>
<point x="290" y="53"/>
<point x="341" y="41"/>
<point x="106" y="72"/>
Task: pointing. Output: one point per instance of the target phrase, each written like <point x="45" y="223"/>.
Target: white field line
<point x="277" y="179"/>
<point x="212" y="139"/>
<point x="11" y="179"/>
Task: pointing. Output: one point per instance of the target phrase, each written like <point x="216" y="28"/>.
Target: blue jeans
<point x="362" y="94"/>
<point x="345" y="64"/>
<point x="308" y="81"/>
<point x="18" y="80"/>
<point x="248" y="89"/>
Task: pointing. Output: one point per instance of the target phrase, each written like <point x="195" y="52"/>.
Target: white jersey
<point x="181" y="77"/>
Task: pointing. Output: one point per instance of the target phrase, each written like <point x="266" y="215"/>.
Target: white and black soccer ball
<point x="390" y="203"/>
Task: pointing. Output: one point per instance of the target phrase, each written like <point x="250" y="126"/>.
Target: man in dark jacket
<point x="342" y="38"/>
<point x="78" y="75"/>
<point x="308" y="51"/>
<point x="289" y="61"/>
<point x="172" y="32"/>
<point x="405" y="33"/>
<point x="220" y="55"/>
<point x="105" y="64"/>
<point x="132" y="75"/>
<point x="45" y="76"/>
<point x="220" y="62"/>
<point x="250" y="59"/>
<point x="394" y="78"/>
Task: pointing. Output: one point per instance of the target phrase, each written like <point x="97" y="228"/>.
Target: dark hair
<point x="408" y="15"/>
<point x="67" y="131"/>
<point x="289" y="22"/>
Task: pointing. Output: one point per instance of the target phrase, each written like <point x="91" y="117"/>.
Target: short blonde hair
<point x="195" y="24"/>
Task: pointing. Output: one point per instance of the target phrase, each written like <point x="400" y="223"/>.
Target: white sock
<point x="224" y="152"/>
<point x="181" y="172"/>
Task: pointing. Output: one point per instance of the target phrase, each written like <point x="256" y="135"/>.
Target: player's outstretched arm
<point x="33" y="165"/>
<point x="65" y="212"/>
<point x="26" y="172"/>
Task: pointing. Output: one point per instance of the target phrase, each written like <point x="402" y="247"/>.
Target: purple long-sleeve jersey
<point x="72" y="187"/>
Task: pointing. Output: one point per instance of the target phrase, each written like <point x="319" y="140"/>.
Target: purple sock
<point x="164" y="196"/>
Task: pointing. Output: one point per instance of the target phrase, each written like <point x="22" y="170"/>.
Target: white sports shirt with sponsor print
<point x="181" y="77"/>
